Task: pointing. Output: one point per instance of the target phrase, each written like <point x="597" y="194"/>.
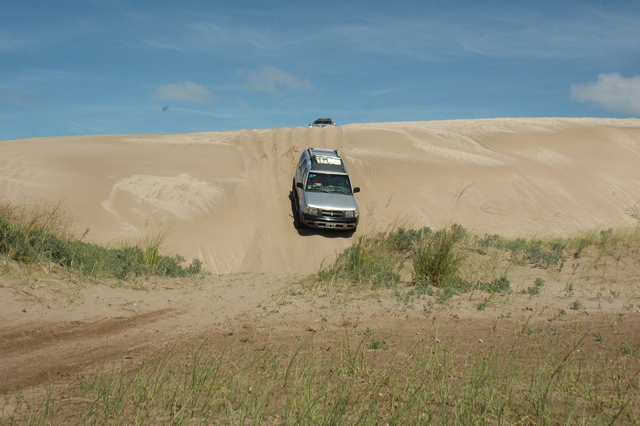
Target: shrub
<point x="540" y="257"/>
<point x="499" y="285"/>
<point x="487" y="241"/>
<point x="365" y="262"/>
<point x="436" y="259"/>
<point x="535" y="290"/>
<point x="405" y="240"/>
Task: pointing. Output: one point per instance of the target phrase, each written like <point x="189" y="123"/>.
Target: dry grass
<point x="552" y="371"/>
<point x="552" y="376"/>
<point x="38" y="234"/>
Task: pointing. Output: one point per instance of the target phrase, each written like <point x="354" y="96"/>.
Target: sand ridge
<point x="223" y="197"/>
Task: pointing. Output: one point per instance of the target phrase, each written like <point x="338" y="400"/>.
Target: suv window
<point x="324" y="182"/>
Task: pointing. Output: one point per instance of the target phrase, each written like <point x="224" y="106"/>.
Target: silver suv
<point x="322" y="193"/>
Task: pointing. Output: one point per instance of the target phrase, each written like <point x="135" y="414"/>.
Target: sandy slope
<point x="224" y="196"/>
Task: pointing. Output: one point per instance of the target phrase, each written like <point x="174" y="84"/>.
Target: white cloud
<point x="611" y="91"/>
<point x="273" y="80"/>
<point x="187" y="92"/>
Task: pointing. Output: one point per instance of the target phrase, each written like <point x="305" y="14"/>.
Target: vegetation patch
<point x="557" y="377"/>
<point x="38" y="235"/>
<point x="535" y="289"/>
<point x="536" y="372"/>
<point x="368" y="261"/>
<point x="452" y="261"/>
<point x="437" y="258"/>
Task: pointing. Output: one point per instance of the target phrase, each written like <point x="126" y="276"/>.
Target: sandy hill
<point x="224" y="196"/>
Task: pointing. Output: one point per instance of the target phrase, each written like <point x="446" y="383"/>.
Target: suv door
<point x="300" y="176"/>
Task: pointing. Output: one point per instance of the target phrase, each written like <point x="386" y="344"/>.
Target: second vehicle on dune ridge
<point x="322" y="122"/>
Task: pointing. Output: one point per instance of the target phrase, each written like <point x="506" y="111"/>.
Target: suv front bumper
<point x="320" y="222"/>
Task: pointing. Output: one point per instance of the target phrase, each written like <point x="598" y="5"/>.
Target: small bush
<point x="541" y="254"/>
<point x="378" y="345"/>
<point x="444" y="293"/>
<point x="436" y="259"/>
<point x="488" y="240"/>
<point x="405" y="240"/>
<point x="499" y="285"/>
<point x="535" y="290"/>
<point x="540" y="257"/>
<point x="515" y="246"/>
<point x="365" y="262"/>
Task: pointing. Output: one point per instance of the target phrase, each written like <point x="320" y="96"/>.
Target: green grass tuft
<point x="365" y="262"/>
<point x="437" y="259"/>
<point x="35" y="235"/>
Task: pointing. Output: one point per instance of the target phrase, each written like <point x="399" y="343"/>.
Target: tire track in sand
<point x="35" y="353"/>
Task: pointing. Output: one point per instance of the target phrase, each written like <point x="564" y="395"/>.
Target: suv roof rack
<point x="323" y="151"/>
<point x="327" y="160"/>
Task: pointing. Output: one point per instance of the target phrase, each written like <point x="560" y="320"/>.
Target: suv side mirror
<point x="299" y="185"/>
<point x="356" y="189"/>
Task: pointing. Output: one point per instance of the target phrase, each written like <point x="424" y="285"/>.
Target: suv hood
<point x="331" y="200"/>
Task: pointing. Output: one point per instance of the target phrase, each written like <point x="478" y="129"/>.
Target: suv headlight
<point x="351" y="213"/>
<point x="313" y="211"/>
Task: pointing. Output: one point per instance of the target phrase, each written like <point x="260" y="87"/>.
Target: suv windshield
<point x="323" y="182"/>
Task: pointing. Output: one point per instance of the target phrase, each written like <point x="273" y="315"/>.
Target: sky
<point x="80" y="67"/>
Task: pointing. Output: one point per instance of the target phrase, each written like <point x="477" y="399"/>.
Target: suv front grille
<point x="331" y="213"/>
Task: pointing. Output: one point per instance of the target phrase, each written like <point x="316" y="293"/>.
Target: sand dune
<point x="223" y="197"/>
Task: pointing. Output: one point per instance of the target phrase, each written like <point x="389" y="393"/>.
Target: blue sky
<point x="120" y="67"/>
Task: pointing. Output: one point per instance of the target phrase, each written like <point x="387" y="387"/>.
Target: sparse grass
<point x="452" y="261"/>
<point x="39" y="234"/>
<point x="442" y="295"/>
<point x="535" y="290"/>
<point x="376" y="260"/>
<point x="440" y="257"/>
<point x="368" y="261"/>
<point x="531" y="376"/>
<point x="358" y="380"/>
<point x="575" y="305"/>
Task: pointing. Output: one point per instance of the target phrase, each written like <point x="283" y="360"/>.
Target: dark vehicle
<point x="322" y="122"/>
<point x="322" y="192"/>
